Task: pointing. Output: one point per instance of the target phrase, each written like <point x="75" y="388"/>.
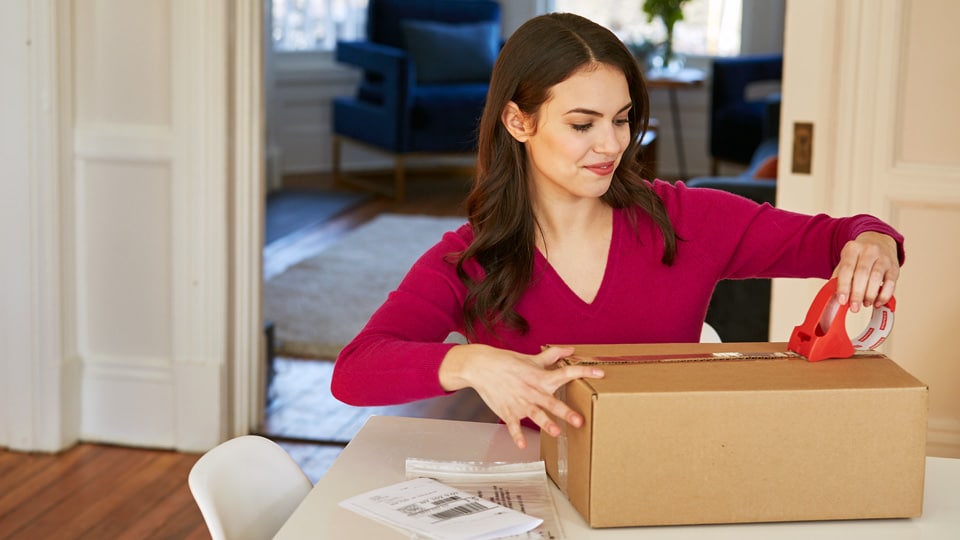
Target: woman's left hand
<point x="868" y="270"/>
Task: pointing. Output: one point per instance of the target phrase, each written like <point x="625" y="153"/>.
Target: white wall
<point x="763" y="24"/>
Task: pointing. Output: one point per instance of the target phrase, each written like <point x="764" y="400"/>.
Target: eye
<point x="582" y="128"/>
<point x="621" y="122"/>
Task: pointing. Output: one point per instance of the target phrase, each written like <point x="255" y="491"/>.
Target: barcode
<point x="463" y="510"/>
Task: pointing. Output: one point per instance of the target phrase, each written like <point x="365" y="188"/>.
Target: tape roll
<point x="876" y="332"/>
<point x="823" y="333"/>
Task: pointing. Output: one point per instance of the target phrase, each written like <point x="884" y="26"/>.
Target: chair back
<point x="384" y="16"/>
<point x="732" y="76"/>
<point x="739" y="122"/>
<point x="709" y="335"/>
<point x="247" y="488"/>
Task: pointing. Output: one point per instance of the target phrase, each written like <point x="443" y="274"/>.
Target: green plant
<point x="668" y="11"/>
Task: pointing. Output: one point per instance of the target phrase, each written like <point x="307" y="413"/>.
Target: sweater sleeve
<point x="749" y="240"/>
<point x="396" y="357"/>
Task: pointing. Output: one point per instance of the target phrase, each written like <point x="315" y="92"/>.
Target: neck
<point x="558" y="223"/>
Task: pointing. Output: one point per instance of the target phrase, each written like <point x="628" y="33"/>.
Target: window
<point x="316" y="25"/>
<point x="708" y="28"/>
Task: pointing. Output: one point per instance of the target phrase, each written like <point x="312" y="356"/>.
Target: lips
<point x="602" y="169"/>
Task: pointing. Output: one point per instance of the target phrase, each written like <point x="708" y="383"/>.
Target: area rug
<point x="289" y="211"/>
<point x="318" y="305"/>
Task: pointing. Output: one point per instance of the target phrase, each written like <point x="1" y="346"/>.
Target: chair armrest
<point x="393" y="65"/>
<point x="370" y="56"/>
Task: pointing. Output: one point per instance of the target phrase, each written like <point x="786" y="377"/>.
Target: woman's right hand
<point x="516" y="386"/>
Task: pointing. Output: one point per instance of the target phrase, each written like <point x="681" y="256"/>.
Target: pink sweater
<point x="396" y="357"/>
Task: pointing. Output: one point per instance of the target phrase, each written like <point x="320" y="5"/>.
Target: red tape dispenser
<point x="823" y="333"/>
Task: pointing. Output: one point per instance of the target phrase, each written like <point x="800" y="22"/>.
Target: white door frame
<point x="247" y="166"/>
<point x="38" y="409"/>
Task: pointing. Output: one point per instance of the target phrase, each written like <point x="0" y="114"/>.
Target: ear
<point x="518" y="124"/>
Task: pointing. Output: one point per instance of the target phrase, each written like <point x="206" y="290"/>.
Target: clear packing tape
<point x="523" y="487"/>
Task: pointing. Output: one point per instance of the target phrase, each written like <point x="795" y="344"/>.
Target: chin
<point x="600" y="188"/>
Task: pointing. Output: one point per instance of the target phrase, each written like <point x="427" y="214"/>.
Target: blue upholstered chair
<point x="426" y="69"/>
<point x="737" y="119"/>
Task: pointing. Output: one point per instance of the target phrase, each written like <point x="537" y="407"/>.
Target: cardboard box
<point x="734" y="439"/>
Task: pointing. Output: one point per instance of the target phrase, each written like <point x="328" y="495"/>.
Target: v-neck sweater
<point x="396" y="357"/>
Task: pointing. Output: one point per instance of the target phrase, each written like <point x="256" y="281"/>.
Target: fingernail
<point x="842" y="299"/>
<point x="598" y="373"/>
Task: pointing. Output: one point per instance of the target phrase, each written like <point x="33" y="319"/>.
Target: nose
<point x="610" y="140"/>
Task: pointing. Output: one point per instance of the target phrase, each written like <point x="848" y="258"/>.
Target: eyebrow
<point x="580" y="110"/>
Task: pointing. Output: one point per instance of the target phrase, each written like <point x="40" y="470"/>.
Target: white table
<point x="377" y="456"/>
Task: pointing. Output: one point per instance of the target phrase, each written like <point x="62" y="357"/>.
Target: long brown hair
<point x="543" y="52"/>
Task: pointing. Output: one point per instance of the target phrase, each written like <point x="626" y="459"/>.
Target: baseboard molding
<point x="152" y="403"/>
<point x="127" y="404"/>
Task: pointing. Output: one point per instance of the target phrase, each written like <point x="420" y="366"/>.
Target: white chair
<point x="709" y="335"/>
<point x="246" y="488"/>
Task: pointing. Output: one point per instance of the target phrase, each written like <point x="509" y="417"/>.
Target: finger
<point x="869" y="279"/>
<point x="551" y="355"/>
<point x="516" y="433"/>
<point x="547" y="425"/>
<point x="560" y="377"/>
<point x="558" y="409"/>
<point x="886" y="292"/>
<point x="865" y="281"/>
<point x="873" y="287"/>
<point x="844" y="275"/>
<point x="889" y="284"/>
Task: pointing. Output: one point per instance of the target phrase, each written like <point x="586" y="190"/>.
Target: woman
<point x="567" y="244"/>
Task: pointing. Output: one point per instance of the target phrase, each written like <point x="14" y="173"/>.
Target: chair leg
<point x="399" y="178"/>
<point x="714" y="166"/>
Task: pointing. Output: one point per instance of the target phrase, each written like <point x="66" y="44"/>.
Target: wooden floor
<point x="98" y="492"/>
<point x="94" y="491"/>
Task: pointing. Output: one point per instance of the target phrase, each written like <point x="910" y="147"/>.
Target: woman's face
<point x="581" y="133"/>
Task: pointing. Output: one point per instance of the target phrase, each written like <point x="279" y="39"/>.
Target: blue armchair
<point x="426" y="70"/>
<point x="737" y="120"/>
